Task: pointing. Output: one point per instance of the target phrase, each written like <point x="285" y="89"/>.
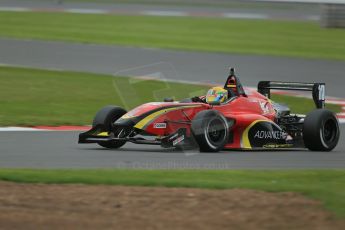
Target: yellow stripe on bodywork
<point x="245" y="139"/>
<point x="103" y="134"/>
<point x="141" y="124"/>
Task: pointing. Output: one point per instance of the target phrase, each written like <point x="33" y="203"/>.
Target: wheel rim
<point x="216" y="132"/>
<point x="329" y="131"/>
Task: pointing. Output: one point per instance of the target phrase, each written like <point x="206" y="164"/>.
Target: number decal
<point x="264" y="107"/>
<point x="321" y="92"/>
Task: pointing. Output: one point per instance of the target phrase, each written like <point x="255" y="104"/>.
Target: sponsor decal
<point x="159" y="125"/>
<point x="178" y="140"/>
<point x="272" y="146"/>
<point x="268" y="134"/>
<point x="263" y="132"/>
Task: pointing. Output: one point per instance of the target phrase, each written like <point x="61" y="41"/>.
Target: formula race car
<point x="227" y="117"/>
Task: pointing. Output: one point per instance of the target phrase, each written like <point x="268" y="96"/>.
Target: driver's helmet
<point x="216" y="94"/>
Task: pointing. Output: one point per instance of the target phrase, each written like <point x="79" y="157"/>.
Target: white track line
<point x="12" y="128"/>
<point x="165" y="13"/>
<point x="85" y="11"/>
<point x="245" y="16"/>
<point x="15" y="9"/>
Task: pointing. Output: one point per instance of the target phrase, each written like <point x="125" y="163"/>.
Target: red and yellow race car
<point x="227" y="117"/>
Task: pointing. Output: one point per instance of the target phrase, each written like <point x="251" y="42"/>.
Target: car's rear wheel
<point x="321" y="130"/>
<point x="106" y="117"/>
<point x="210" y="130"/>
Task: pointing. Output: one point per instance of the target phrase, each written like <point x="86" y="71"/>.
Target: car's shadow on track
<point x="189" y="151"/>
<point x="137" y="150"/>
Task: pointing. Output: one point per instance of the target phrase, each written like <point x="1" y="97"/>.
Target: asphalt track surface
<point x="60" y="150"/>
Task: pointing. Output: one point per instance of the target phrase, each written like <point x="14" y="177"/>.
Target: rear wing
<point x="317" y="89"/>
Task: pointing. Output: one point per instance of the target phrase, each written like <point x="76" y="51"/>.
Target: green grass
<point x="40" y="97"/>
<point x="327" y="186"/>
<point x="262" y="37"/>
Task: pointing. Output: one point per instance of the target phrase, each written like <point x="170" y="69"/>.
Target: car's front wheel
<point x="106" y="117"/>
<point x="210" y="130"/>
<point x="321" y="130"/>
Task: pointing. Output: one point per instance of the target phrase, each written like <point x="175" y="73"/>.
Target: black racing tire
<point x="321" y="130"/>
<point x="210" y="130"/>
<point x="106" y="117"/>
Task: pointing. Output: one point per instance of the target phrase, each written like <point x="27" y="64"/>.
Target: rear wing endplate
<point x="317" y="89"/>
